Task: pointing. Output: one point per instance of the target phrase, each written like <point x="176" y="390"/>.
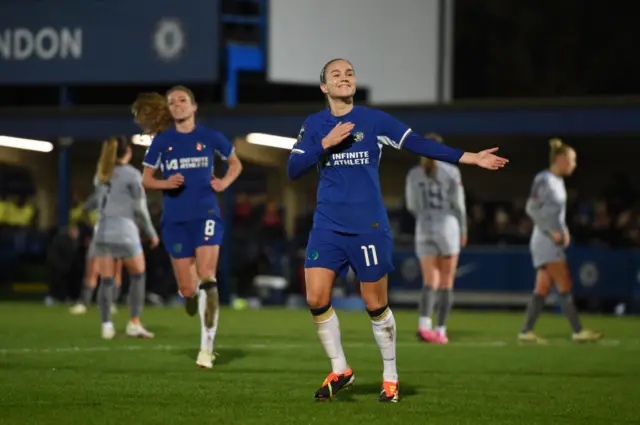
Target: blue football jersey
<point x="349" y="194"/>
<point x="192" y="155"/>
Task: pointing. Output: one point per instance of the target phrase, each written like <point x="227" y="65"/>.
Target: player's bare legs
<point x="118" y="287"/>
<point x="186" y="276"/>
<point x="560" y="274"/>
<point x="375" y="297"/>
<point x="208" y="301"/>
<point x="430" y="284"/>
<point x="186" y="273"/>
<point x="319" y="282"/>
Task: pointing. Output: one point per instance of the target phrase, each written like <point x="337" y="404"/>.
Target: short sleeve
<point x="222" y="146"/>
<point x="391" y="132"/>
<point x="153" y="156"/>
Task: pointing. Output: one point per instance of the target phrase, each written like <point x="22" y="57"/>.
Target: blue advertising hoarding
<point x="102" y="42"/>
<point x="597" y="273"/>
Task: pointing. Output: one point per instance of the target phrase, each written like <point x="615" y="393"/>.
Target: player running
<point x="546" y="206"/>
<point x="121" y="199"/>
<point x="351" y="227"/>
<point x="192" y="229"/>
<point x="435" y="196"/>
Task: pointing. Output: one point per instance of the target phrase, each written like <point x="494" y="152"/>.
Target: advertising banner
<point x="102" y="42"/>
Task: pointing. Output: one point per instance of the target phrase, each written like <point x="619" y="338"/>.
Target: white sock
<point x="384" y="330"/>
<point x="207" y="335"/>
<point x="442" y="330"/>
<point x="424" y="323"/>
<point x="329" y="334"/>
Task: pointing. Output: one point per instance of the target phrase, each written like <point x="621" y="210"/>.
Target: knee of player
<point x="188" y="291"/>
<point x="373" y="301"/>
<point x="374" y="305"/>
<point x="542" y="291"/>
<point x="206" y="273"/>
<point x="316" y="300"/>
<point x="446" y="281"/>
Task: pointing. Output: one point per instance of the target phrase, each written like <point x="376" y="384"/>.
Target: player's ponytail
<point x="429" y="164"/>
<point x="557" y="148"/>
<point x="108" y="158"/>
<point x="151" y="113"/>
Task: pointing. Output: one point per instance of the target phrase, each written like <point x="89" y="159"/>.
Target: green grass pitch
<point x="55" y="369"/>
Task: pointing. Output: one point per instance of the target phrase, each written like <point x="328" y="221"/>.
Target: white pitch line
<point x="275" y="346"/>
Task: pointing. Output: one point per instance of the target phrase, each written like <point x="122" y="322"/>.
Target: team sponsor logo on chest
<point x="352" y="158"/>
<point x="349" y="158"/>
<point x="188" y="162"/>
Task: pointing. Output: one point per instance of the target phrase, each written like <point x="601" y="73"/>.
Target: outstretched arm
<point x="398" y="135"/>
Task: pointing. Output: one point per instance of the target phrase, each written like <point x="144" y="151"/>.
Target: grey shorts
<point x="115" y="250"/>
<point x="438" y="245"/>
<point x="544" y="250"/>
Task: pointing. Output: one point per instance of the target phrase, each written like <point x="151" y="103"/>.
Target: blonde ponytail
<point x="107" y="161"/>
<point x="557" y="148"/>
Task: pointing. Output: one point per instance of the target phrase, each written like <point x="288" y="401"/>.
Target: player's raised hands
<point x="175" y="181"/>
<point x="485" y="159"/>
<point x="340" y="132"/>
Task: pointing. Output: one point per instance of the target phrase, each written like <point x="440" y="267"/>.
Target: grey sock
<point x="116" y="293"/>
<point x="533" y="311"/>
<point x="86" y="294"/>
<point x="569" y="310"/>
<point x="136" y="294"/>
<point x="445" y="302"/>
<point x="105" y="298"/>
<point x="427" y="301"/>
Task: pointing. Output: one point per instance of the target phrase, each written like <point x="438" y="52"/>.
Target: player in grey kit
<point x="546" y="206"/>
<point x="91" y="274"/>
<point x="435" y="197"/>
<point x="121" y="199"/>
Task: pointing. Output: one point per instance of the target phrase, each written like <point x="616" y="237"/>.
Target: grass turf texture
<point x="54" y="369"/>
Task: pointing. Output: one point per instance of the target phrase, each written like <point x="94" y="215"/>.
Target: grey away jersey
<point x="438" y="203"/>
<point x="547" y="202"/>
<point x="119" y="202"/>
<point x="546" y="207"/>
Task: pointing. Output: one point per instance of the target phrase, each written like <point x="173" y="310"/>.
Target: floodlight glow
<point x="142" y="139"/>
<point x="271" y="140"/>
<point x="26" y="144"/>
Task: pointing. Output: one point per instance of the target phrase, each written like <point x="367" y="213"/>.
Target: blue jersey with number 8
<point x="191" y="214"/>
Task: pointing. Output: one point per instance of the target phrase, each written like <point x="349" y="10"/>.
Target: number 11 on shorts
<point x="374" y="256"/>
<point x="209" y="227"/>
